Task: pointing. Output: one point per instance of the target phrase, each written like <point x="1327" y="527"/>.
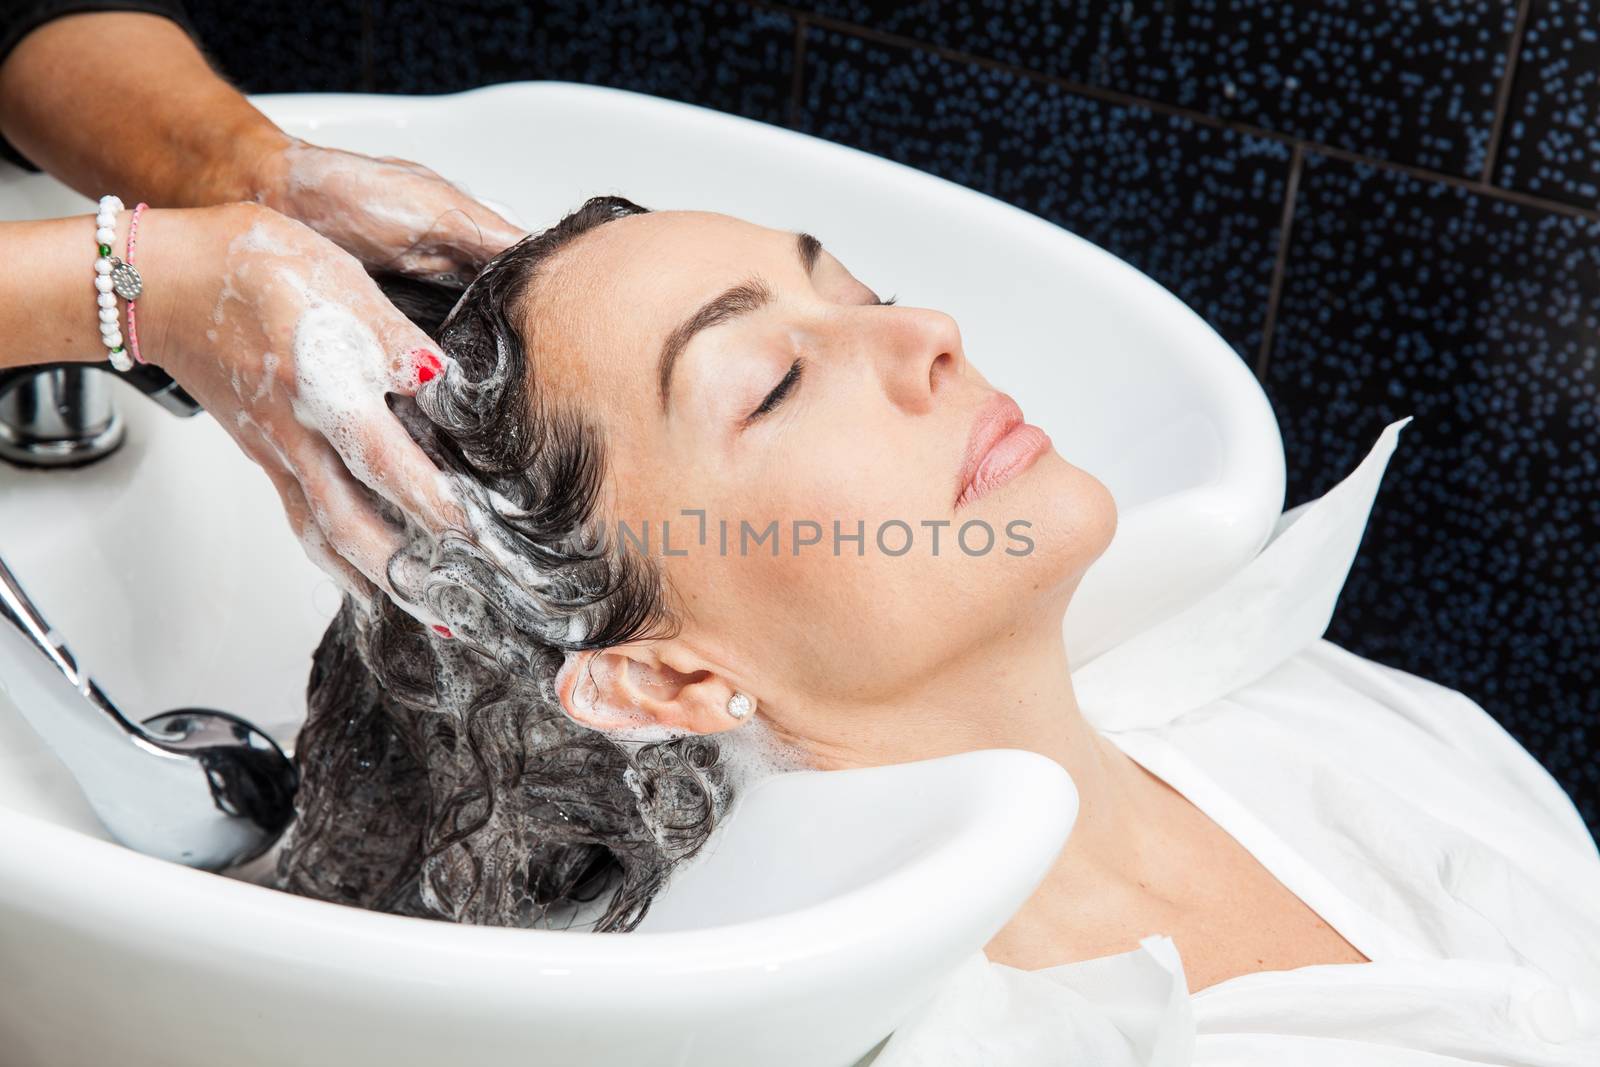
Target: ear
<point x="626" y="688"/>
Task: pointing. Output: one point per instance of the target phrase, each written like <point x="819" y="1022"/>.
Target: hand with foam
<point x="264" y="320"/>
<point x="291" y="346"/>
<point x="389" y="213"/>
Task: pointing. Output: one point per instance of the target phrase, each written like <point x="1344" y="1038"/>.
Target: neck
<point x="1017" y="693"/>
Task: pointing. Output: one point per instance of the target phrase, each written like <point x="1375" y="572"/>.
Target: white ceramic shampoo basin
<point x="829" y="904"/>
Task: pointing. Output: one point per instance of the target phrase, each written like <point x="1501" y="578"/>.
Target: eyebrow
<point x="739" y="300"/>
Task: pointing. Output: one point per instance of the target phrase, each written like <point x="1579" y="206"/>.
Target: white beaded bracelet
<point x="112" y="278"/>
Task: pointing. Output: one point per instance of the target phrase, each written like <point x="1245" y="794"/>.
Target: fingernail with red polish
<point x="443" y="631"/>
<point x="428" y="365"/>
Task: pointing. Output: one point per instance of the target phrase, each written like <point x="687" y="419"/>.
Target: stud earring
<point x="739" y="705"/>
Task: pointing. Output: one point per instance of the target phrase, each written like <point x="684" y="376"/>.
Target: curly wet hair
<point x="440" y="777"/>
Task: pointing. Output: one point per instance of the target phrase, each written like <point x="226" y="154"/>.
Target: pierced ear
<point x="625" y="689"/>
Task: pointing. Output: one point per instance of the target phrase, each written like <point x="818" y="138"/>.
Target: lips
<point x="999" y="446"/>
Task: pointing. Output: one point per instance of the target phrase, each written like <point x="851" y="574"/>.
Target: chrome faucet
<point x="195" y="786"/>
<point x="65" y="414"/>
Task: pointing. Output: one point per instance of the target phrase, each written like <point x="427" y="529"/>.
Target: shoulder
<point x="1425" y="742"/>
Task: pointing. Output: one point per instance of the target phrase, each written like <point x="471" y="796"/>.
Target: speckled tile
<point x="716" y="53"/>
<point x="1195" y="207"/>
<point x="1059" y="37"/>
<point x="1551" y="143"/>
<point x="283" y="48"/>
<point x="1481" y="565"/>
<point x="1407" y="80"/>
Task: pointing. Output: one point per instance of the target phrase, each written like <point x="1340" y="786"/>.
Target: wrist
<point x="272" y="165"/>
<point x="248" y="167"/>
<point x="167" y="307"/>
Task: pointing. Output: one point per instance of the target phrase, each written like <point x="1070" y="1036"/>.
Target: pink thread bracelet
<point x="133" y="238"/>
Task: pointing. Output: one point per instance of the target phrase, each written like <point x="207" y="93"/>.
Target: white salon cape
<point x="1396" y="808"/>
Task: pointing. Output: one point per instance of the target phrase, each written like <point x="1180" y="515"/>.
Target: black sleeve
<point x="18" y="18"/>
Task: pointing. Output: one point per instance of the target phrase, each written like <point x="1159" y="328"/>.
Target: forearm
<point x="48" y="310"/>
<point x="124" y="102"/>
<point x="47" y="298"/>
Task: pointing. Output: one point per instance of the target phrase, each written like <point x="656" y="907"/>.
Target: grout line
<point x="1112" y="96"/>
<point x="799" y="66"/>
<point x="1502" y="99"/>
<point x="1474" y="185"/>
<point x="1279" y="267"/>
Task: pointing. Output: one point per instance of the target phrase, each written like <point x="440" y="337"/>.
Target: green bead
<point x="117" y="349"/>
<point x="105" y="250"/>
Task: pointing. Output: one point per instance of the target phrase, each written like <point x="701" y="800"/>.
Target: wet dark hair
<point x="440" y="777"/>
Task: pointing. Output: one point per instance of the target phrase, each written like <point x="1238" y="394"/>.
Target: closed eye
<point x="787" y="383"/>
<point x="779" y="391"/>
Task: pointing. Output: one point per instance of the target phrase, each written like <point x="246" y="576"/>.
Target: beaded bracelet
<point x="112" y="278"/>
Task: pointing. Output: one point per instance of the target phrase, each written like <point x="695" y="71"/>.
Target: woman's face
<point x="807" y="404"/>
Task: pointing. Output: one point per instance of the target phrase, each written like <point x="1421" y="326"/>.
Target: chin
<point x="1070" y="519"/>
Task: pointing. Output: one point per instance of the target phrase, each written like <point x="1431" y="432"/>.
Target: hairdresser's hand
<point x="389" y="213"/>
<point x="289" y="344"/>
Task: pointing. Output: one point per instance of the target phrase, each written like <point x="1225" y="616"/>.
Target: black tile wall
<point x="283" y="48"/>
<point x="1480" y="568"/>
<point x="1552" y="138"/>
<point x="1194" y="206"/>
<point x="1437" y="160"/>
<point x="1408" y="80"/>
<point x="657" y="48"/>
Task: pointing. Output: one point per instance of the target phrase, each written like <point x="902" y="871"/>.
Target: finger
<point x="454" y="195"/>
<point x="310" y="535"/>
<point x="483" y="234"/>
<point x="345" y="514"/>
<point x="380" y="454"/>
<point x="470" y="232"/>
<point x="261" y="445"/>
<point x="348" y="520"/>
<point x="413" y="166"/>
<point x="376" y="352"/>
<point x="449" y="266"/>
<point x="401" y="472"/>
<point x="497" y="232"/>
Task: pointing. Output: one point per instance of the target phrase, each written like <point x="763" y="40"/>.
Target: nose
<point x="920" y="352"/>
